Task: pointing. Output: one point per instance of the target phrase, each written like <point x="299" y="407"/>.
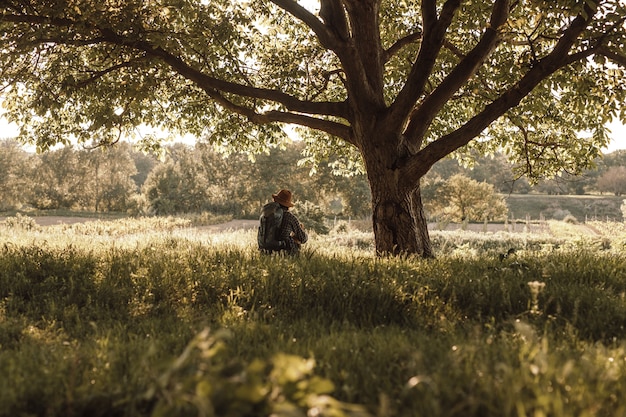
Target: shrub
<point x="22" y="222"/>
<point x="570" y="219"/>
<point x="312" y="216"/>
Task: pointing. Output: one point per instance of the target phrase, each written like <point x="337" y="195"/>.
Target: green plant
<point x="313" y="217"/>
<point x="205" y="381"/>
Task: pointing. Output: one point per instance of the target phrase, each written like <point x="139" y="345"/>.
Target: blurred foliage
<point x="205" y="380"/>
<point x="188" y="180"/>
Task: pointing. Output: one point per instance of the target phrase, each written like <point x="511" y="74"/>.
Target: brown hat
<point x="283" y="198"/>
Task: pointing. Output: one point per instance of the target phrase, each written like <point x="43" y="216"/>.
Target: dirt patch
<point x="55" y="220"/>
<point x="494" y="227"/>
<point x="231" y="225"/>
<point x="252" y="224"/>
<point x="214" y="228"/>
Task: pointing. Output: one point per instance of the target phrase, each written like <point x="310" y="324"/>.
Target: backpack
<point x="270" y="225"/>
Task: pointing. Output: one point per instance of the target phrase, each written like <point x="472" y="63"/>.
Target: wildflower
<point x="535" y="289"/>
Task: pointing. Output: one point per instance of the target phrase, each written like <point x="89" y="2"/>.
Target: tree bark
<point x="399" y="222"/>
<point x="425" y="247"/>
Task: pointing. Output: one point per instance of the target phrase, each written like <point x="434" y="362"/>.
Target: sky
<point x="618" y="136"/>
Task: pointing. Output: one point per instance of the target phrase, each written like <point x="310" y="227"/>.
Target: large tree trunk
<point x="400" y="226"/>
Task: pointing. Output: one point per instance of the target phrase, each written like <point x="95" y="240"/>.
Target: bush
<point x="570" y="219"/>
<point x="312" y="216"/>
<point x="22" y="222"/>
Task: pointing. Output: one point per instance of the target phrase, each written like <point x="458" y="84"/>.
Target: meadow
<point x="156" y="317"/>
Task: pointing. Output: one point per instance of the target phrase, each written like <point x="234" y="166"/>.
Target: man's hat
<point x="283" y="198"/>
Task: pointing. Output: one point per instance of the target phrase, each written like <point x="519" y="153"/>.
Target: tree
<point x="613" y="181"/>
<point x="59" y="181"/>
<point x="398" y="84"/>
<point x="460" y="198"/>
<point x="143" y="163"/>
<point x="110" y="180"/>
<point x="495" y="169"/>
<point x="15" y="168"/>
<point x="161" y="190"/>
<point x="96" y="179"/>
<point x="179" y="184"/>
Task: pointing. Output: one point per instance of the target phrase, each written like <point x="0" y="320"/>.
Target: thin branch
<point x="466" y="68"/>
<point x="71" y="42"/>
<point x="424" y="63"/>
<point x="420" y="163"/>
<point x="32" y="19"/>
<point x="99" y="74"/>
<point x="327" y="76"/>
<point x="602" y="49"/>
<point x="336" y="129"/>
<point x="325" y="36"/>
<point x="401" y="43"/>
<point x="616" y="58"/>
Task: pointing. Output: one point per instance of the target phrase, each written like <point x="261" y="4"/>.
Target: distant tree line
<point x="609" y="176"/>
<point x="189" y="179"/>
<point x="198" y="178"/>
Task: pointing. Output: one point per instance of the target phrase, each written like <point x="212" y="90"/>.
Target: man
<point x="290" y="234"/>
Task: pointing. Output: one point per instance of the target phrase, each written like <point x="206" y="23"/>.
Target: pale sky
<point x="617" y="135"/>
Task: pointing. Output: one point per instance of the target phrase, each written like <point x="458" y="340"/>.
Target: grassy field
<point x="153" y="317"/>
<point x="582" y="207"/>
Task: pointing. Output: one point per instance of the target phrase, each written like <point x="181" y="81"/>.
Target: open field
<point x="582" y="207"/>
<point x="245" y="224"/>
<point x="154" y="317"/>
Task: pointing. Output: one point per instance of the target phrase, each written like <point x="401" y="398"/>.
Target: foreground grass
<point x="169" y="322"/>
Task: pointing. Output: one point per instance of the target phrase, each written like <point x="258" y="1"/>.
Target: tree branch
<point x="360" y="67"/>
<point x="99" y="74"/>
<point x="206" y="82"/>
<point x="326" y="37"/>
<point x="327" y="75"/>
<point x="336" y="129"/>
<point x="429" y="16"/>
<point x="432" y="42"/>
<point x="417" y="165"/>
<point x="601" y="48"/>
<point x="334" y="16"/>
<point x="467" y="67"/>
<point x="401" y="43"/>
<point x="333" y="128"/>
<point x="615" y="57"/>
<point x="362" y="57"/>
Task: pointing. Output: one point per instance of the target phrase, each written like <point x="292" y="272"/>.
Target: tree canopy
<point x="398" y="84"/>
<point x="462" y="199"/>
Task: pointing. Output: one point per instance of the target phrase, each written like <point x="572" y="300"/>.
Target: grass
<point x="154" y="319"/>
<point x="583" y="207"/>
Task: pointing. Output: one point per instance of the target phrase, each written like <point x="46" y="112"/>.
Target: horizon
<point x="617" y="134"/>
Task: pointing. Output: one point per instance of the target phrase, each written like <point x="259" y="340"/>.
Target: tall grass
<point x="147" y="321"/>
